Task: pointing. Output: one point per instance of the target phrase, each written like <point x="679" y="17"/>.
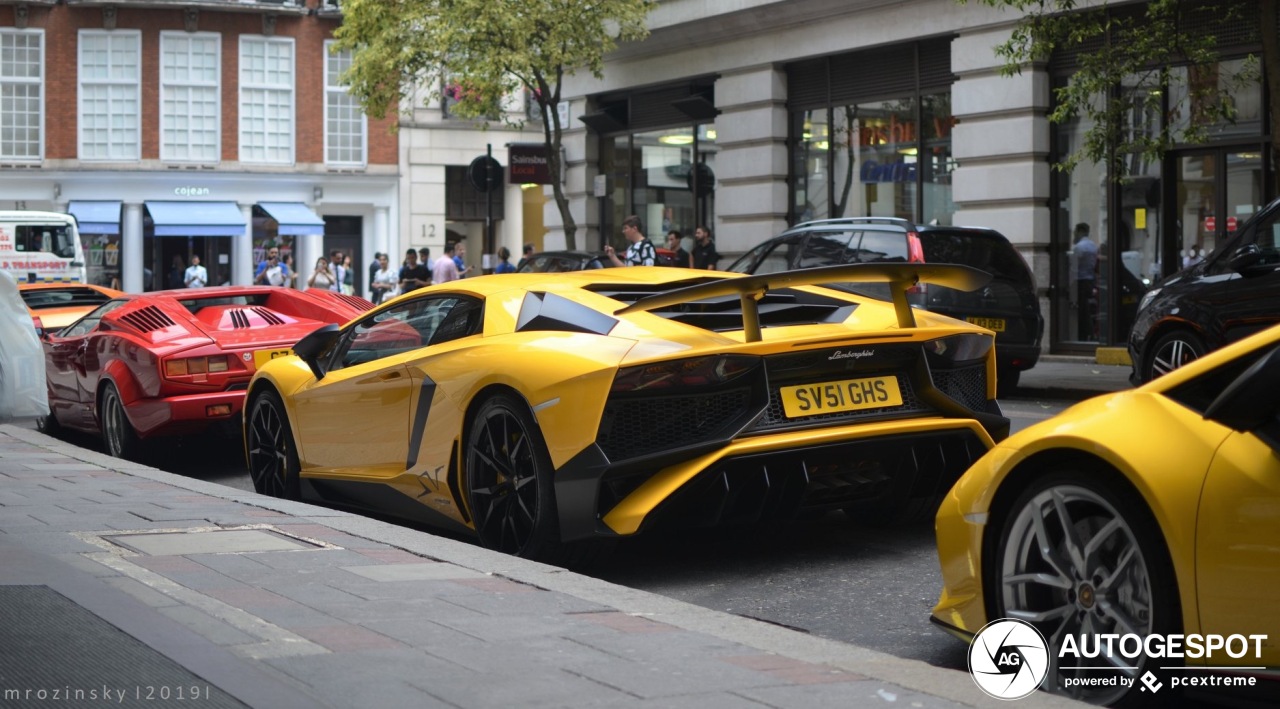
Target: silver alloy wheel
<point x="1071" y="564"/>
<point x="1172" y="353"/>
<point x="115" y="423"/>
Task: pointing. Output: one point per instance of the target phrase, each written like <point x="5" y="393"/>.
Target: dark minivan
<point x="1233" y="293"/>
<point x="1008" y="305"/>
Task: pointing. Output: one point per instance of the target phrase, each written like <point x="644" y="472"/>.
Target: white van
<point x="41" y="247"/>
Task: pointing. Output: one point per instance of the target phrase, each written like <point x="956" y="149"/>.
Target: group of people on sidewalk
<point x="418" y="270"/>
<point x="641" y="251"/>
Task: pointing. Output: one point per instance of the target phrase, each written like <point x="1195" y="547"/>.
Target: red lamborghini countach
<point x="175" y="362"/>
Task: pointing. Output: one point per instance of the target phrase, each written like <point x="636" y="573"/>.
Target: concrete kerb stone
<point x="908" y="674"/>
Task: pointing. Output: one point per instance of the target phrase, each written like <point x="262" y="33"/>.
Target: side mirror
<point x="1249" y="403"/>
<point x="319" y="342"/>
<point x="1245" y="258"/>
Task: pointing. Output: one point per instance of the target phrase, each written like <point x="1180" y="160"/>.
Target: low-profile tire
<point x="118" y="436"/>
<point x="509" y="481"/>
<point x="1007" y="381"/>
<point x="1173" y="350"/>
<point x="48" y="424"/>
<point x="270" y="453"/>
<point x="1080" y="554"/>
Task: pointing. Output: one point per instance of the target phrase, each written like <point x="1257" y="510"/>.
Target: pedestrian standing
<point x="504" y="261"/>
<point x="705" y="255"/>
<point x="384" y="281"/>
<point x="528" y="254"/>
<point x="196" y="276"/>
<point x="640" y="252"/>
<point x="446" y="267"/>
<point x="322" y="277"/>
<point x="335" y="268"/>
<point x="413" y="275"/>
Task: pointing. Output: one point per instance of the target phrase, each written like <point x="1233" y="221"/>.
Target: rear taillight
<point x="195" y="365"/>
<point x="35" y="320"/>
<point x="684" y="373"/>
<point x="915" y="254"/>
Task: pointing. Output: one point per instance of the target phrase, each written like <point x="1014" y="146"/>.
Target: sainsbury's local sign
<point x="528" y="162"/>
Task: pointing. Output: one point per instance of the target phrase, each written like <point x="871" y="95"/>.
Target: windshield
<point x="982" y="250"/>
<point x="56" y="239"/>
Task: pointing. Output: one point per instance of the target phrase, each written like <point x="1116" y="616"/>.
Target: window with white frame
<point x="21" y="94"/>
<point x="190" y="107"/>
<point x="266" y="100"/>
<point x="110" y="73"/>
<point x="344" y="120"/>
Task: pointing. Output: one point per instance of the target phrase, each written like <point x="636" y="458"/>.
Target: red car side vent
<point x="355" y="301"/>
<point x="148" y="319"/>
<point x="269" y="316"/>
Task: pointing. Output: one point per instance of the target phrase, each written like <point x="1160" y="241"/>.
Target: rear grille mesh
<point x="148" y="319"/>
<point x="967" y="386"/>
<point x="643" y="425"/>
<point x="269" y="316"/>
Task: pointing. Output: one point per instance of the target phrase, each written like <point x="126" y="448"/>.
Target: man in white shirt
<point x="196" y="276"/>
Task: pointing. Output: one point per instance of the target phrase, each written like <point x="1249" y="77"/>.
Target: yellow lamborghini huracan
<point x="1153" y="513"/>
<point x="544" y="414"/>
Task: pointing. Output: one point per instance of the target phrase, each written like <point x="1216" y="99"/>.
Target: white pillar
<point x="131" y="252"/>
<point x="242" y="250"/>
<point x="382" y="233"/>
<point x="309" y="248"/>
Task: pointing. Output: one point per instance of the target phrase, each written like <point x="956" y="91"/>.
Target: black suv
<point x="1008" y="305"/>
<point x="1233" y="293"/>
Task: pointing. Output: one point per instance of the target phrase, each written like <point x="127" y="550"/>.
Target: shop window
<point x="463" y="202"/>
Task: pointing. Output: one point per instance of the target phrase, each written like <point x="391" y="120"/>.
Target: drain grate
<point x="57" y="653"/>
<point x="232" y="541"/>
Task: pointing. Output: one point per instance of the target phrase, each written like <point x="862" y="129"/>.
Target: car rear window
<point x="38" y="299"/>
<point x="983" y="250"/>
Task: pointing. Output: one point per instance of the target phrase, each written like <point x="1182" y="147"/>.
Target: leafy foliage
<point x="482" y="51"/>
<point x="1148" y="76"/>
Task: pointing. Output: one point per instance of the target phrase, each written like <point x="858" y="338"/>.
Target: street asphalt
<point x="125" y="585"/>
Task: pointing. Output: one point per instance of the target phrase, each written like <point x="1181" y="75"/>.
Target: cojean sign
<point x="191" y="191"/>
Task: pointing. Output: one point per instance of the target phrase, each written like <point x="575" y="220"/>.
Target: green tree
<point x="482" y="51"/>
<point x="1133" y="55"/>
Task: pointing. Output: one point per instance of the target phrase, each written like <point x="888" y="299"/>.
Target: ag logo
<point x="1008" y="659"/>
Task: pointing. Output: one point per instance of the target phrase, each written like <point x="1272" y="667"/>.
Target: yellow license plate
<point x="837" y="397"/>
<point x="995" y="324"/>
<point x="261" y="357"/>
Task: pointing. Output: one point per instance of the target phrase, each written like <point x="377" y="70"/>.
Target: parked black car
<point x="1233" y="293"/>
<point x="1008" y="305"/>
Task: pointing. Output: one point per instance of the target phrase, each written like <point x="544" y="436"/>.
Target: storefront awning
<point x="96" y="217"/>
<point x="294" y="218"/>
<point x="197" y="218"/>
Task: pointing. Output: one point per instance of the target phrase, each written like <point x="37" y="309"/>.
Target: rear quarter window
<point x="987" y="252"/>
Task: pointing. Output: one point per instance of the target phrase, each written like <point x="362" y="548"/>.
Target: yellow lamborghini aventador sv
<point x="1139" y="532"/>
<point x="544" y="414"/>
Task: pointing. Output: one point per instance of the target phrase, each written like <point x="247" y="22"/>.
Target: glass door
<point x="1216" y="191"/>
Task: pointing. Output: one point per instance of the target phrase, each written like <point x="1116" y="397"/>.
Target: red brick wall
<point x="62" y="23"/>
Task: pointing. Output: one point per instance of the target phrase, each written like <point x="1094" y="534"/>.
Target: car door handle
<point x="388" y="376"/>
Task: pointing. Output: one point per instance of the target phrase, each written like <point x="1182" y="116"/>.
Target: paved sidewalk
<point x="228" y="598"/>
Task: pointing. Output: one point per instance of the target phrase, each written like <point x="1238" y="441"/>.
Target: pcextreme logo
<point x="1008" y="659"/>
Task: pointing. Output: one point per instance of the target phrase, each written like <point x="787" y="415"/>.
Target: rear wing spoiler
<point x="901" y="277"/>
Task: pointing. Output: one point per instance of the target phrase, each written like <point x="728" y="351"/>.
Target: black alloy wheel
<point x="1173" y="350"/>
<point x="1081" y="555"/>
<point x="118" y="435"/>
<point x="269" y="449"/>
<point x="509" y="480"/>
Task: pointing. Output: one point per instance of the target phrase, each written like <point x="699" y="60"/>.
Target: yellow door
<point x="355" y="420"/>
<point x="1238" y="548"/>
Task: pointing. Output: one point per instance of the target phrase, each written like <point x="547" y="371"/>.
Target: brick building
<point x="214" y="127"/>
